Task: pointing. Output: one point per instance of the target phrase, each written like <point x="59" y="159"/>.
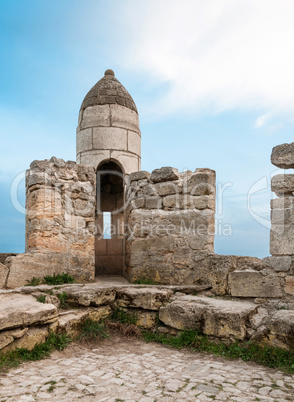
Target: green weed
<point x="63" y="297"/>
<point x="58" y="279"/>
<point x="91" y="330"/>
<point x="124" y="317"/>
<point x="14" y="357"/>
<point x="35" y="281"/>
<point x="41" y="299"/>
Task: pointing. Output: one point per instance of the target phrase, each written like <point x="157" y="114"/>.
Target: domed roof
<point x="108" y="90"/>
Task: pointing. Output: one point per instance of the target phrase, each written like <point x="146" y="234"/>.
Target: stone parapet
<point x="169" y="218"/>
<point x="60" y="222"/>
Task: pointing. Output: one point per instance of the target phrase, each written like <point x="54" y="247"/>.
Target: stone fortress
<point x="162" y="228"/>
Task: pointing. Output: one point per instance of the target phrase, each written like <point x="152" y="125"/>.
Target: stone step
<point x="216" y="317"/>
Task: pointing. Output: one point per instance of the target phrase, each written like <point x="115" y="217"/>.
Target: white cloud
<point x="261" y="120"/>
<point x="214" y="55"/>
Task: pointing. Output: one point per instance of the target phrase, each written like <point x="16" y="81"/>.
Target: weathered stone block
<point x="69" y="322"/>
<point x="113" y="138"/>
<point x="283" y="156"/>
<point x="89" y="295"/>
<point x="164" y="174"/>
<point x="279" y="264"/>
<point x="3" y="275"/>
<point x="167" y="188"/>
<point x="281" y="330"/>
<point x="219" y="318"/>
<point x="124" y="118"/>
<point x="94" y="116"/>
<point x="84" y="139"/>
<point x="134" y="142"/>
<point x="202" y="182"/>
<point x="281" y="240"/>
<point x="130" y="162"/>
<point x="283" y="184"/>
<point x="153" y="202"/>
<point x="18" y="310"/>
<point x="289" y="285"/>
<point x="254" y="284"/>
<point x="135" y="176"/>
<point x="147" y="298"/>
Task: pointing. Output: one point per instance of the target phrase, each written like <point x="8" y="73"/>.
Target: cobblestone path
<point x="131" y="370"/>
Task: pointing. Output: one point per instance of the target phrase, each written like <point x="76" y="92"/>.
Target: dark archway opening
<point x="109" y="241"/>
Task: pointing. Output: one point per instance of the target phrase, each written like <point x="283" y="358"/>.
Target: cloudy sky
<point x="213" y="82"/>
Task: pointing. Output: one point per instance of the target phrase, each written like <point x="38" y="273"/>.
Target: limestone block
<point x="138" y="203"/>
<point x="282" y="203"/>
<point x="214" y="270"/>
<point x="94" y="157"/>
<point x="219" y="318"/>
<point x="226" y="319"/>
<point x="282" y="216"/>
<point x="124" y="117"/>
<point x="164" y="174"/>
<point x="84" y="140"/>
<point x="30" y="339"/>
<point x="130" y="162"/>
<point x="69" y="322"/>
<point x="153" y="202"/>
<point x="281" y="240"/>
<point x="134" y="142"/>
<point x="18" y="310"/>
<point x="202" y="182"/>
<point x="281" y="330"/>
<point x="7" y="337"/>
<point x="283" y="184"/>
<point x="167" y="188"/>
<point x="112" y="138"/>
<point x="144" y="319"/>
<point x="135" y="176"/>
<point x="95" y="116"/>
<point x="289" y="285"/>
<point x="3" y="275"/>
<point x="183" y="313"/>
<point x="146" y="298"/>
<point x="279" y="264"/>
<point x="91" y="294"/>
<point x="253" y="284"/>
<point x="283" y="156"/>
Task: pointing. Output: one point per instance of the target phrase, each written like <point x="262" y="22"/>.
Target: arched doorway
<point x="109" y="241"/>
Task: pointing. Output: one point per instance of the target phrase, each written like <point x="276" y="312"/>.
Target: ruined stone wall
<point x="60" y="222"/>
<point x="170" y="218"/>
<point x="282" y="215"/>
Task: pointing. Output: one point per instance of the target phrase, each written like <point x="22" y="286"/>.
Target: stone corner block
<point x="164" y="174"/>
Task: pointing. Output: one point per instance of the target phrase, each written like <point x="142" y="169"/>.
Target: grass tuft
<point x="124" y="317"/>
<point x="41" y="299"/>
<point x="35" y="281"/>
<point x="91" y="330"/>
<point x="63" y="297"/>
<point x="58" y="279"/>
<point x="13" y="358"/>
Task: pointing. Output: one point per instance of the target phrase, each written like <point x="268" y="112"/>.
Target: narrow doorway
<point x="109" y="240"/>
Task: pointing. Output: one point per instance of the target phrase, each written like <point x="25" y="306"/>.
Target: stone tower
<point x="109" y="139"/>
<point x="108" y="127"/>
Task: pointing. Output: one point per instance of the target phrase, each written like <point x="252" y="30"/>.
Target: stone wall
<point x="60" y="222"/>
<point x="169" y="219"/>
<point x="24" y="321"/>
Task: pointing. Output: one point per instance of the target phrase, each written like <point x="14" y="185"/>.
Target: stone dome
<point x="108" y="90"/>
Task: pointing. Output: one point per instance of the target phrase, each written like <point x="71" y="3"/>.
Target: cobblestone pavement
<point x="131" y="370"/>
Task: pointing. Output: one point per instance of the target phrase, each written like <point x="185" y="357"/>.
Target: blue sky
<point x="213" y="82"/>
